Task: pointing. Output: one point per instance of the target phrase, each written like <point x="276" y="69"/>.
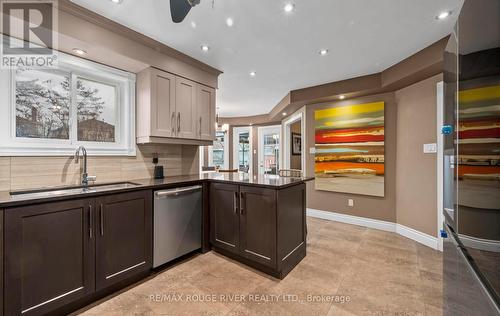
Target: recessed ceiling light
<point x="323" y="52"/>
<point x="284" y="113"/>
<point x="229" y="22"/>
<point x="289" y="7"/>
<point x="193" y="24"/>
<point x="342" y="97"/>
<point x="117" y="1"/>
<point x="79" y="51"/>
<point x="443" y="15"/>
<point x="205" y="48"/>
<point x="253" y="74"/>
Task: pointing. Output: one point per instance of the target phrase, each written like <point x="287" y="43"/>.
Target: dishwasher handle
<point x="176" y="192"/>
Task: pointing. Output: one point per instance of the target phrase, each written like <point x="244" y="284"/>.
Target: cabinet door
<point x="258" y="224"/>
<point x="124" y="237"/>
<point x="163" y="104"/>
<point x="224" y="218"/>
<point x="49" y="256"/>
<point x="185" y="105"/>
<point x="206" y="112"/>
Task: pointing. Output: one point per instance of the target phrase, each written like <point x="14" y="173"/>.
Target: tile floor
<point x="361" y="271"/>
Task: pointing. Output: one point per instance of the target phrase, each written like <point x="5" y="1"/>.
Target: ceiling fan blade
<point x="179" y="9"/>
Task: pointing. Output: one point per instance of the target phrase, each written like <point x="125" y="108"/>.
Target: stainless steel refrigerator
<point x="471" y="248"/>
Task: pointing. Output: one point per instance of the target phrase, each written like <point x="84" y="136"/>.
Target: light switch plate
<point x="350" y="202"/>
<point x="312" y="150"/>
<point x="430" y="148"/>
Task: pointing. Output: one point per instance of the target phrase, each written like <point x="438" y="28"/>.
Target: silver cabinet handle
<point x="102" y="219"/>
<point x="242" y="202"/>
<point x="172" y="122"/>
<point x="235" y="200"/>
<point x="91" y="219"/>
<point x="200" y="125"/>
<point x="178" y="122"/>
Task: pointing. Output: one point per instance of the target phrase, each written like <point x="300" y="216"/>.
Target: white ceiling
<point x="362" y="36"/>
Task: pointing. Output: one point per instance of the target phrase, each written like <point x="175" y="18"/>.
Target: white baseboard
<point x="402" y="230"/>
<point x="354" y="220"/>
<point x="418" y="236"/>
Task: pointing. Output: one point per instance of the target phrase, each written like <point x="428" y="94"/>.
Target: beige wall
<point x="416" y="172"/>
<point x="18" y="173"/>
<point x="295" y="160"/>
<point x="364" y="206"/>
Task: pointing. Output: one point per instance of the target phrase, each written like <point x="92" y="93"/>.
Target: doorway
<point x="269" y="149"/>
<point x="294" y="142"/>
<point x="242" y="149"/>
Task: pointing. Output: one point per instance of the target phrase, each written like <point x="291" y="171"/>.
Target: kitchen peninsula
<point x="257" y="220"/>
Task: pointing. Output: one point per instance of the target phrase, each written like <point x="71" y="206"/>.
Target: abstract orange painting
<point x="350" y="149"/>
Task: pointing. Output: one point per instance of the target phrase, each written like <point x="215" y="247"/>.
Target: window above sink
<point x="52" y="111"/>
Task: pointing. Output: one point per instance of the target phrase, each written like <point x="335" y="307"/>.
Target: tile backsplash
<point x="17" y="173"/>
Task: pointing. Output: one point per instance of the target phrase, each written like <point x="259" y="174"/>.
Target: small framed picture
<point x="296" y="144"/>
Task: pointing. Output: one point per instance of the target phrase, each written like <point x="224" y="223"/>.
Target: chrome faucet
<point x="85" y="176"/>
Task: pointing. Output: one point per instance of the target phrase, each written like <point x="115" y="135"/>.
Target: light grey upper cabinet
<point x="172" y="109"/>
<point x="185" y="102"/>
<point x="163" y="106"/>
<point x="206" y="112"/>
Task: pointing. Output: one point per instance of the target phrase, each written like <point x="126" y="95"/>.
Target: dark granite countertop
<point x="269" y="181"/>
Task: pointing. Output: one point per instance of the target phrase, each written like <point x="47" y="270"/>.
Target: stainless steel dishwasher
<point x="177" y="223"/>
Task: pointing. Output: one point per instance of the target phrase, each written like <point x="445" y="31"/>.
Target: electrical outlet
<point x="430" y="148"/>
<point x="350" y="202"/>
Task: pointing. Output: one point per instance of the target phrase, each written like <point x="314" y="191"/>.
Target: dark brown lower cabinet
<point x="124" y="237"/>
<point x="59" y="253"/>
<point x="259" y="226"/>
<point x="224" y="216"/>
<point x="49" y="256"/>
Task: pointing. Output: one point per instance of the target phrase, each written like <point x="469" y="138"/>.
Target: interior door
<point x="163" y="105"/>
<point x="49" y="256"/>
<point x="206" y="112"/>
<point x="124" y="237"/>
<point x="269" y="149"/>
<point x="258" y="224"/>
<point x="185" y="105"/>
<point x="224" y="217"/>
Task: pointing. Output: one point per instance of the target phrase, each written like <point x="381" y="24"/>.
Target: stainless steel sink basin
<point x="69" y="190"/>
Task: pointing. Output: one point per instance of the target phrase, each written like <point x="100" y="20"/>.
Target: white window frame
<point x="226" y="152"/>
<point x="236" y="132"/>
<point x="300" y="115"/>
<point x="124" y="145"/>
<point x="261" y="132"/>
<point x="211" y="157"/>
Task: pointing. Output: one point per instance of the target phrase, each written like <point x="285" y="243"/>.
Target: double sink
<point x="68" y="190"/>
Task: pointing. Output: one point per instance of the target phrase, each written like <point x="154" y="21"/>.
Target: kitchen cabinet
<point x="63" y="252"/>
<point x="173" y="109"/>
<point x="258" y="224"/>
<point x="124" y="237"/>
<point x="263" y="227"/>
<point x="224" y="216"/>
<point x="186" y="107"/>
<point x="206" y="111"/>
<point x="163" y="104"/>
<point x="49" y="256"/>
